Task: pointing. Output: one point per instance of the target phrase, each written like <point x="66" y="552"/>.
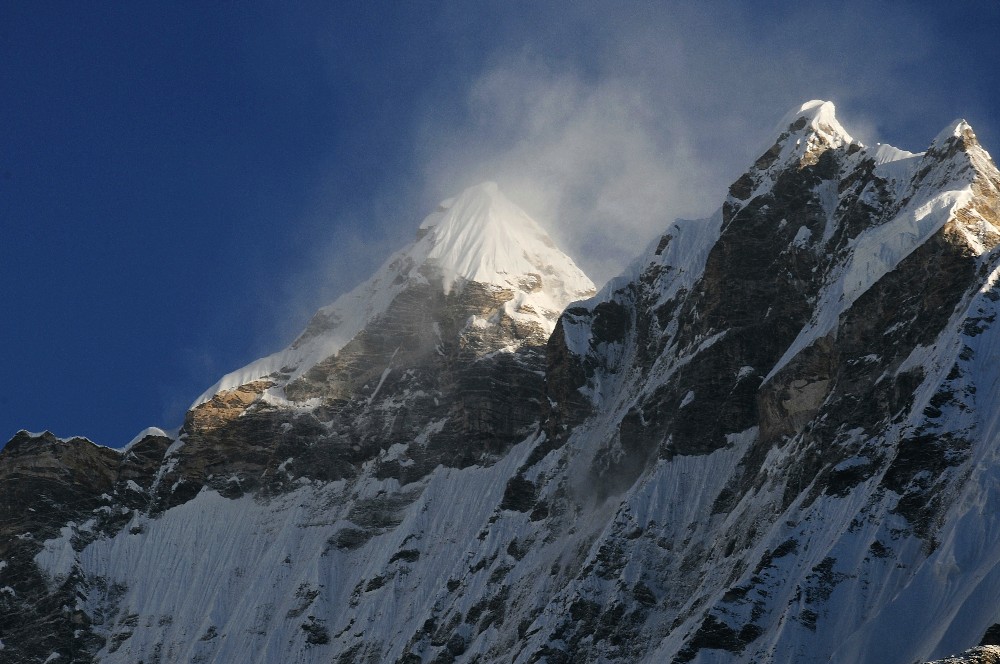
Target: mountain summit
<point x="481" y="236"/>
<point x="774" y="439"/>
<point x="478" y="238"/>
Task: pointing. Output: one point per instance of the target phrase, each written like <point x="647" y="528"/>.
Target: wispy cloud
<point x="650" y="113"/>
<point x="607" y="125"/>
<point x="587" y="158"/>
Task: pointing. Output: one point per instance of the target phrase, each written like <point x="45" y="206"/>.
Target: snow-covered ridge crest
<point x="803" y="135"/>
<point x="478" y="236"/>
<point x="937" y="187"/>
<point x="820" y="117"/>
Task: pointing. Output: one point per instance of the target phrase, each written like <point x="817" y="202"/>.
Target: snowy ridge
<point x="820" y="119"/>
<point x="478" y="236"/>
<point x="805" y="133"/>
<point x="933" y="197"/>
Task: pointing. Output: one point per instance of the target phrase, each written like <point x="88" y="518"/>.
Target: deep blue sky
<point x="181" y="185"/>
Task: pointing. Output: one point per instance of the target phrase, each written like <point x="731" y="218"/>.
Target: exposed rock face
<point x="807" y="363"/>
<point x="50" y="488"/>
<point x="773" y="439"/>
<point x="980" y="655"/>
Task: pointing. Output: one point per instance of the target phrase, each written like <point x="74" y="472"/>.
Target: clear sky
<point x="182" y="184"/>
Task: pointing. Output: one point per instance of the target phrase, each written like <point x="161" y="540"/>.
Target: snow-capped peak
<point x="807" y="132"/>
<point x="958" y="140"/>
<point x="481" y="236"/>
<point x="959" y="137"/>
<point x="816" y="117"/>
<point x="803" y="135"/>
<point x="478" y="236"/>
<point x="956" y="129"/>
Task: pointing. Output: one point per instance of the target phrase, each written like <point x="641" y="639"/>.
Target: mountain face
<point x="772" y="439"/>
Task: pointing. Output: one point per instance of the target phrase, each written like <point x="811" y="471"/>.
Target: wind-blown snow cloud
<point x="585" y="158"/>
<point x="608" y="125"/>
<point x="608" y="133"/>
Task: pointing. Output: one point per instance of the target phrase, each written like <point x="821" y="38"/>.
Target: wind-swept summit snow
<point x="804" y="134"/>
<point x="821" y="118"/>
<point x="478" y="236"/>
<point x="481" y="236"/>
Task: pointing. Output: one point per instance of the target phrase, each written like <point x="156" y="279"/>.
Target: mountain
<point x="772" y="439"/>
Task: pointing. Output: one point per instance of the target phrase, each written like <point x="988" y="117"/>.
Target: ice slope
<point x="950" y="599"/>
<point x="478" y="236"/>
<point x="220" y="580"/>
<point x="882" y="594"/>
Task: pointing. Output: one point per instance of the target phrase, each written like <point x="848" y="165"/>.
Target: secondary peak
<point x="816" y="117"/>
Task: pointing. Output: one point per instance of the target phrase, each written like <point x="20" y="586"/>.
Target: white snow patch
<point x="852" y="462"/>
<point x="385" y="374"/>
<point x="57" y="556"/>
<point x="275" y="397"/>
<point x="802" y="236"/>
<point x="577" y="334"/>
